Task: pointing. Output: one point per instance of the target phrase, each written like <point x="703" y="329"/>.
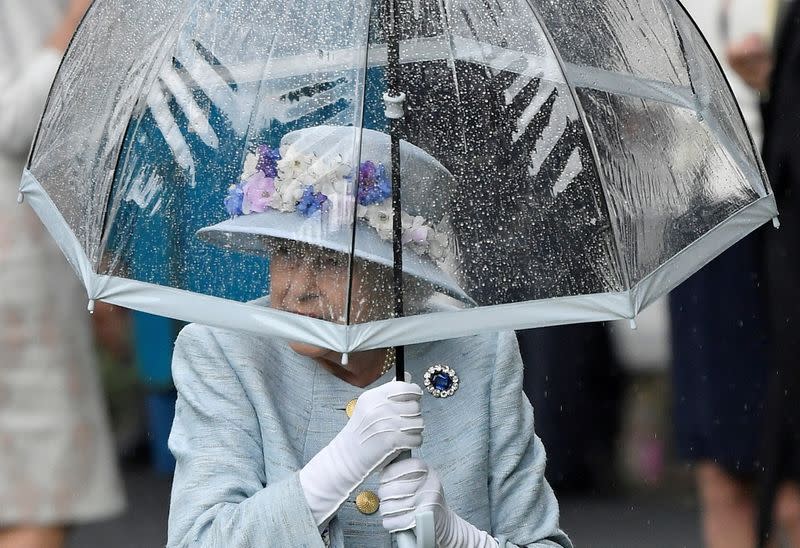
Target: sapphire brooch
<point x="441" y="381"/>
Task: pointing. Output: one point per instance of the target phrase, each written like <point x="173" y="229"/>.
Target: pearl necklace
<point x="388" y="362"/>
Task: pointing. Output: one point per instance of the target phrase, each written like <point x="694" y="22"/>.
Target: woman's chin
<point x="309" y="350"/>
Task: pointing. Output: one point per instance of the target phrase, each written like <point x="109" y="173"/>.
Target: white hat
<point x="306" y="193"/>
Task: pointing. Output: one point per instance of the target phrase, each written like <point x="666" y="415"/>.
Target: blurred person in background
<point x="781" y="455"/>
<point x="57" y="463"/>
<point x="572" y="380"/>
<point x="719" y="324"/>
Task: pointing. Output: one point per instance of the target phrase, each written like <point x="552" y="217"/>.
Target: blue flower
<point x="374" y="185"/>
<point x="233" y="201"/>
<point x="268" y="160"/>
<point x="311" y="202"/>
<point x="382" y="181"/>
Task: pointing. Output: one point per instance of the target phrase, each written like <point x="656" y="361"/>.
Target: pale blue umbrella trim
<point x="252" y="317"/>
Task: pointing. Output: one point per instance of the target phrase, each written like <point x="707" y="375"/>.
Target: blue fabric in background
<point x="151" y="249"/>
<point x="720" y="361"/>
<point x="155" y="251"/>
<point x="150" y="254"/>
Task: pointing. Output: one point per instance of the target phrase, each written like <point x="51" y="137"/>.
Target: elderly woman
<point x="279" y="444"/>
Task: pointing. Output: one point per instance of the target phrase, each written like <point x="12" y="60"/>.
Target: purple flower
<point x="257" y="191"/>
<point x="268" y="160"/>
<point x="310" y="202"/>
<point x="373" y="184"/>
<point x="233" y="201"/>
<point x="367" y="170"/>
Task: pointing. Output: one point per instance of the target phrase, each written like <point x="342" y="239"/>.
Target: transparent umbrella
<point x="551" y="162"/>
<point x="561" y="162"/>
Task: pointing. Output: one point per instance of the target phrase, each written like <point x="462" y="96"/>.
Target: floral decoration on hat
<point x="291" y="181"/>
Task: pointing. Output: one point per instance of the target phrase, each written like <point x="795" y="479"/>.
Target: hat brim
<point x="246" y="232"/>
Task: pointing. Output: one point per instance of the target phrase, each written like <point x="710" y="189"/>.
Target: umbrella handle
<point x="405" y="539"/>
<point x="424" y="537"/>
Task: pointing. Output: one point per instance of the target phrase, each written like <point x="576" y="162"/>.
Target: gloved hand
<point x="409" y="486"/>
<point x="386" y="421"/>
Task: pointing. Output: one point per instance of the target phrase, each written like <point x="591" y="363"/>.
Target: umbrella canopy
<point x="560" y="161"/>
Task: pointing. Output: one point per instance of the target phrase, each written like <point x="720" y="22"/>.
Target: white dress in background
<point x="726" y="21"/>
<point x="57" y="462"/>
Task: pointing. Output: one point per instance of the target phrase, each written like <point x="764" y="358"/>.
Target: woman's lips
<point x="318" y="311"/>
<point x="309" y="314"/>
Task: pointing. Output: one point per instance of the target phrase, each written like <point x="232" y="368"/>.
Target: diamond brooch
<point x="441" y="381"/>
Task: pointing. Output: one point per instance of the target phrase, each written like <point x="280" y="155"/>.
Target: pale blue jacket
<point x="251" y="413"/>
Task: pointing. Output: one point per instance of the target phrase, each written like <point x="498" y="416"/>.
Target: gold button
<point x="350" y="408"/>
<point x="367" y="502"/>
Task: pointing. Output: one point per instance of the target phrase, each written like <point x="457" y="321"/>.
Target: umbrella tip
<point x="90" y="306"/>
<point x="776" y="222"/>
<point x="633" y="324"/>
<point x="345" y="358"/>
<point x="20" y="198"/>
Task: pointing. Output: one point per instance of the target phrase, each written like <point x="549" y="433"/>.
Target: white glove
<point x="386" y="421"/>
<point x="409" y="486"/>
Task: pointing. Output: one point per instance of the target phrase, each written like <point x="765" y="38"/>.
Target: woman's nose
<point x="303" y="280"/>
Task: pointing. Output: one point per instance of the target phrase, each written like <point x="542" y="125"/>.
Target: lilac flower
<point x="233" y="201"/>
<point x="257" y="190"/>
<point x="268" y="160"/>
<point x="367" y="170"/>
<point x="414" y="229"/>
<point x="373" y="185"/>
<point x="310" y="202"/>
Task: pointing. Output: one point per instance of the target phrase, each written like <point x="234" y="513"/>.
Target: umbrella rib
<point x="712" y="121"/>
<point x="622" y="268"/>
<point x="357" y="154"/>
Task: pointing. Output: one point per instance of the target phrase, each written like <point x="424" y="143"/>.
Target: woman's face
<point x="314" y="282"/>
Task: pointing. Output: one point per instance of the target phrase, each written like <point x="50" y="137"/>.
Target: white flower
<point x="294" y="164"/>
<point x="331" y="185"/>
<point x="250" y="164"/>
<point x="330" y="175"/>
<point x="415" y="233"/>
<point x="334" y="167"/>
<point x="306" y="179"/>
<point x="341" y="168"/>
<point x="438" y="244"/>
<point x="414" y="229"/>
<point x="379" y="217"/>
<point x="287" y="194"/>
